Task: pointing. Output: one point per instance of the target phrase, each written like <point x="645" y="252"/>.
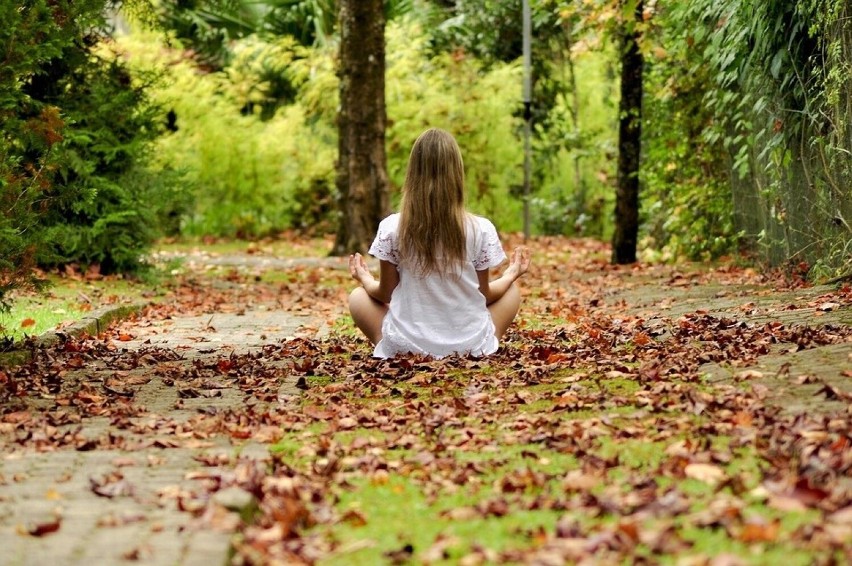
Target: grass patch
<point x="284" y="247"/>
<point x="65" y="301"/>
<point x="521" y="457"/>
<point x="716" y="541"/>
<point x="393" y="514"/>
<point x="635" y="454"/>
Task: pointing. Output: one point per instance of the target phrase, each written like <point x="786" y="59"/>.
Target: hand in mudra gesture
<point x="359" y="270"/>
<point x="519" y="263"/>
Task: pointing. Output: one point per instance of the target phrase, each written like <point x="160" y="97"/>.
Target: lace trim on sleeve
<point x="490" y="252"/>
<point x="384" y="247"/>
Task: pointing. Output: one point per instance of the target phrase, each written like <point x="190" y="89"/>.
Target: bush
<point x="105" y="205"/>
<point x="688" y="204"/>
<point x="243" y="173"/>
<point x="75" y="129"/>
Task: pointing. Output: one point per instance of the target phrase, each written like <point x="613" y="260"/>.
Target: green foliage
<point x="75" y="131"/>
<point x="311" y="22"/>
<point x="489" y="30"/>
<point x="104" y="209"/>
<point x="831" y="89"/>
<point x="252" y="177"/>
<point x="574" y="157"/>
<point x="209" y="26"/>
<point x="573" y="107"/>
<point x="73" y="126"/>
<point x="769" y="72"/>
<point x="29" y="132"/>
<point x="688" y="208"/>
<point x="242" y="173"/>
<point x="262" y="74"/>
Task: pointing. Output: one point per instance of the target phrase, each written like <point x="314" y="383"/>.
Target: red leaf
<point x="641" y="339"/>
<point x="759" y="532"/>
<point x="46" y="528"/>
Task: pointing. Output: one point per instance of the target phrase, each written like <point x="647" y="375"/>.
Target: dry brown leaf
<point x="749" y="374"/>
<point x="708" y="473"/>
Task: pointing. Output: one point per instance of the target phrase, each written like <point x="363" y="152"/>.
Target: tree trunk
<point x="362" y="179"/>
<point x="629" y="143"/>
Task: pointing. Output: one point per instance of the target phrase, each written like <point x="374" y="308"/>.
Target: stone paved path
<point x="140" y="523"/>
<point x="792" y="380"/>
<point x="137" y="520"/>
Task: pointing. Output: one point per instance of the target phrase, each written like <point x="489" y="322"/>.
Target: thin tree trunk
<point x="629" y="144"/>
<point x="574" y="110"/>
<point x="362" y="180"/>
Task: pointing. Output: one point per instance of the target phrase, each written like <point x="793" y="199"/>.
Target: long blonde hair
<point x="432" y="214"/>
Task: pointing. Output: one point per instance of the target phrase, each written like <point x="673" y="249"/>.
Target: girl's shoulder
<point x="482" y="224"/>
<point x="390" y="223"/>
<point x="388" y="227"/>
<point x="385" y="245"/>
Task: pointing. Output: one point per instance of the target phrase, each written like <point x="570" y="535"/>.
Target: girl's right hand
<point x="519" y="263"/>
<point x="358" y="269"/>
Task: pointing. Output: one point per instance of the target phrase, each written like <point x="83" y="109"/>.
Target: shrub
<point x="75" y="129"/>
<point x="105" y="201"/>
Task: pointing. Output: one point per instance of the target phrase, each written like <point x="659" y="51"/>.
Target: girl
<point x="433" y="295"/>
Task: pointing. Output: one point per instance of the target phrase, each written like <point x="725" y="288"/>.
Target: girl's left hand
<point x="359" y="270"/>
<point x="519" y="262"/>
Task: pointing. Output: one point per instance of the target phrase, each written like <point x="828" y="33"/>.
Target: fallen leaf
<point x="111" y="485"/>
<point x="354" y="517"/>
<point x="53" y="495"/>
<point x="576" y="480"/>
<point x="461" y="513"/>
<point x="749" y="374"/>
<point x="842" y="516"/>
<point x="759" y="532"/>
<point x="707" y="473"/>
<point x="45" y="528"/>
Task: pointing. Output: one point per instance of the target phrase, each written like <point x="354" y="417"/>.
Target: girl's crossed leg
<point x="368" y="313"/>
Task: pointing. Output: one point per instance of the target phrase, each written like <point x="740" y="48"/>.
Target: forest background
<point x="124" y="122"/>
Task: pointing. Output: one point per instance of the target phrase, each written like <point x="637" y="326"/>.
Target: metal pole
<point x="527" y="94"/>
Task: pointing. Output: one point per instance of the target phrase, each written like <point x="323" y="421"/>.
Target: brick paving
<point x="140" y="523"/>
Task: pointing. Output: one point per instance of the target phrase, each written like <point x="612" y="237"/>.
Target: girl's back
<point x="434" y="296"/>
<point x="439" y="313"/>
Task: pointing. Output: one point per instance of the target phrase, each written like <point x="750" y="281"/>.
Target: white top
<point x="435" y="315"/>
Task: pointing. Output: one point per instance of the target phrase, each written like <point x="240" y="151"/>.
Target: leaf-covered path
<point x="651" y="413"/>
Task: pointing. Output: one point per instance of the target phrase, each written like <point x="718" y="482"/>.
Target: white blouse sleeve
<point x="385" y="245"/>
<point x="490" y="253"/>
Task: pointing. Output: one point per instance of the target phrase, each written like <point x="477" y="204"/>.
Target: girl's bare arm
<point x="494" y="290"/>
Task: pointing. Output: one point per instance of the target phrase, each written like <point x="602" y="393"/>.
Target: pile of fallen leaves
<point x="548" y="425"/>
